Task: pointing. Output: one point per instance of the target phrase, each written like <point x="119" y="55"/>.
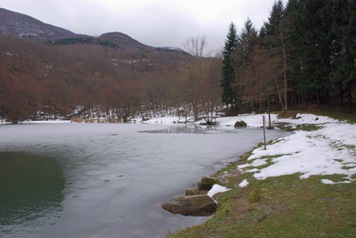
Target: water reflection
<point x="30" y="187"/>
<point x="115" y="178"/>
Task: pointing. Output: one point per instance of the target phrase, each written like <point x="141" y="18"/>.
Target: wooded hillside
<point x="56" y="78"/>
<point x="304" y="54"/>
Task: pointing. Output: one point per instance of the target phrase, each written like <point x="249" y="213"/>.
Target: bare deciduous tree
<point x="195" y="45"/>
<point x="200" y="80"/>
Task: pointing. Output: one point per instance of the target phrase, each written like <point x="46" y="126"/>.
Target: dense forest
<point x="304" y="54"/>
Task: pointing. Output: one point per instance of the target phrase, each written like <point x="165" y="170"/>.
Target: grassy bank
<point x="284" y="206"/>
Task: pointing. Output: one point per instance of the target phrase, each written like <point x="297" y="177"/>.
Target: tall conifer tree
<point x="349" y="57"/>
<point x="311" y="41"/>
<point x="243" y="54"/>
<point x="274" y="39"/>
<point x="339" y="75"/>
<point x="228" y="74"/>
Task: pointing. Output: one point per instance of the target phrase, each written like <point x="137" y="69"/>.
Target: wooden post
<point x="264" y="131"/>
<point x="269" y="114"/>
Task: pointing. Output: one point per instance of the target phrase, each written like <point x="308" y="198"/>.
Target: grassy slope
<point x="281" y="207"/>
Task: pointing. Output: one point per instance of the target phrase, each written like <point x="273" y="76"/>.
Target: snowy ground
<point x="327" y="151"/>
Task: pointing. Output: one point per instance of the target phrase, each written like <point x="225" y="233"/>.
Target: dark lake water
<point x="106" y="180"/>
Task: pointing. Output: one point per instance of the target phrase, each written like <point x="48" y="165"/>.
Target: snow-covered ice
<point x="103" y="162"/>
<point x="117" y="174"/>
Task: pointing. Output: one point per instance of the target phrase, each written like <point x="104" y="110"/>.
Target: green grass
<point x="282" y="207"/>
<point x="309" y="127"/>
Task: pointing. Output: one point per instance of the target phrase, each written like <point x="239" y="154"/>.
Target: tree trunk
<point x="327" y="96"/>
<point x="195" y="111"/>
<point x="280" y="99"/>
<point x="349" y="95"/>
<point x="285" y="83"/>
<point x="341" y="94"/>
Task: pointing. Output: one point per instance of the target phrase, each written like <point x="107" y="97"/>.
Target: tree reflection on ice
<point x="30" y="187"/>
<point x="185" y="130"/>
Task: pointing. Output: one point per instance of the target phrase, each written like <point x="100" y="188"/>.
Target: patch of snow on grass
<point x="251" y="120"/>
<point x="305" y="118"/>
<point x="244" y="183"/>
<point x="255" y="163"/>
<point x="328" y="181"/>
<point x="217" y="189"/>
<point x="327" y="151"/>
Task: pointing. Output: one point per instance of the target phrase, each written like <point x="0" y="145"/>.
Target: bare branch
<point x="195" y="45"/>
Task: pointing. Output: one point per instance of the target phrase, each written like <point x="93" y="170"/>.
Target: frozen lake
<point x="107" y="180"/>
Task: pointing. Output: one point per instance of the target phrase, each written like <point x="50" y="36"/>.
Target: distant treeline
<point x="85" y="40"/>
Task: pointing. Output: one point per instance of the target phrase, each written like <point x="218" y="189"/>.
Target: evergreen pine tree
<point x="339" y="75"/>
<point x="243" y="55"/>
<point x="274" y="24"/>
<point x="246" y="44"/>
<point x="311" y="41"/>
<point x="274" y="40"/>
<point x="349" y="57"/>
<point x="228" y="74"/>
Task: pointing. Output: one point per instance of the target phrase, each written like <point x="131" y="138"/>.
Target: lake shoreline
<point x="105" y="167"/>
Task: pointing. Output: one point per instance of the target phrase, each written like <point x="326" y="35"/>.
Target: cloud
<point x="152" y="22"/>
<point x="157" y="24"/>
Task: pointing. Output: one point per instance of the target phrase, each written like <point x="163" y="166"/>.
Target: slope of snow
<point x="327" y="151"/>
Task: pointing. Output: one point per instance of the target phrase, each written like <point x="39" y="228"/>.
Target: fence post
<point x="264" y="131"/>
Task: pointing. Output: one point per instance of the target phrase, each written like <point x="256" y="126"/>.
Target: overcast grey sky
<point x="152" y="22"/>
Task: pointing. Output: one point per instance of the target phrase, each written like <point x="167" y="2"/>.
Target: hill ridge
<point x="24" y="26"/>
